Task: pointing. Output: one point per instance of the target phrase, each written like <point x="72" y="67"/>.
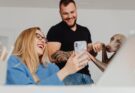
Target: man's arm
<point x="61" y="56"/>
<point x="55" y="54"/>
<point x="91" y="50"/>
<point x="52" y="47"/>
<point x="94" y="48"/>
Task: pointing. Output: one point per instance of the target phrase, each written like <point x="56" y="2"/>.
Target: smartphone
<point x="80" y="46"/>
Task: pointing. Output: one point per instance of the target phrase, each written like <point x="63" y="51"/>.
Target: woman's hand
<point x="75" y="63"/>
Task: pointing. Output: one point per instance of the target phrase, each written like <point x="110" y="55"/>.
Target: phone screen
<point x="80" y="46"/>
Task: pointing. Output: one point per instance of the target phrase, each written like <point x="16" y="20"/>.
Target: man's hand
<point x="97" y="47"/>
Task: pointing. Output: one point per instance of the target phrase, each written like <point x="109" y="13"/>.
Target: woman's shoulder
<point x="14" y="61"/>
<point x="52" y="66"/>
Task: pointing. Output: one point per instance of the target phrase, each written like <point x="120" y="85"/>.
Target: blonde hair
<point x="24" y="49"/>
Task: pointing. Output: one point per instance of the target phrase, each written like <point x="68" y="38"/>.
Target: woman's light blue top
<point x="18" y="73"/>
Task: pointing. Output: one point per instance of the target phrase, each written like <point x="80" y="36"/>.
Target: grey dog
<point x="114" y="45"/>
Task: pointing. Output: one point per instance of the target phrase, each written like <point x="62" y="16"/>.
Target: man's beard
<point x="71" y="26"/>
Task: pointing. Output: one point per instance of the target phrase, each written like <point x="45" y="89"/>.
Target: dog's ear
<point x="120" y="36"/>
<point x="123" y="38"/>
<point x="104" y="54"/>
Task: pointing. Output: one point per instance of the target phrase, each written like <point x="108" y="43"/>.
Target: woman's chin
<point x="40" y="53"/>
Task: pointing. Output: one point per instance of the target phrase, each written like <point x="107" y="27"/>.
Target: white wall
<point x="102" y="23"/>
<point x="14" y="20"/>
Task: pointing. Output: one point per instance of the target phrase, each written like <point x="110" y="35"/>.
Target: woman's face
<point x="40" y="42"/>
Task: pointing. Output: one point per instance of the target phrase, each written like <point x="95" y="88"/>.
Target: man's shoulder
<point x="82" y="28"/>
<point x="56" y="29"/>
<point x="57" y="26"/>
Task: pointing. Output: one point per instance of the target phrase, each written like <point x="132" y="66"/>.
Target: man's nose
<point x="69" y="15"/>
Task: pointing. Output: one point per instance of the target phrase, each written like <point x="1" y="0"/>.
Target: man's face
<point x="69" y="14"/>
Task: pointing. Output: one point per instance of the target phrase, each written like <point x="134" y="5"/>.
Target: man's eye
<point x="72" y="12"/>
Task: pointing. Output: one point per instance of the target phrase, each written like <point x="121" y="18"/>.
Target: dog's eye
<point x="112" y="38"/>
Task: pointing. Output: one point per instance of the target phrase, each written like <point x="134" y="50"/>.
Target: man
<point x="61" y="38"/>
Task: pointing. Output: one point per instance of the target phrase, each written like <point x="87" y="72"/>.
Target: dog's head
<point x="115" y="42"/>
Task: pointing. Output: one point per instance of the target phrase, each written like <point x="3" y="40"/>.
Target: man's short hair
<point x="66" y="2"/>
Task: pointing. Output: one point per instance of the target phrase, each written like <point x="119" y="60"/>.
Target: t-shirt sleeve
<point x="53" y="35"/>
<point x="90" y="41"/>
<point x="89" y="36"/>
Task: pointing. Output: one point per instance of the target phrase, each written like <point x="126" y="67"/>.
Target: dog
<point x="114" y="45"/>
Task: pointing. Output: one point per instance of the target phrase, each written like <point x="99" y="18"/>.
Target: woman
<point x="27" y="65"/>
